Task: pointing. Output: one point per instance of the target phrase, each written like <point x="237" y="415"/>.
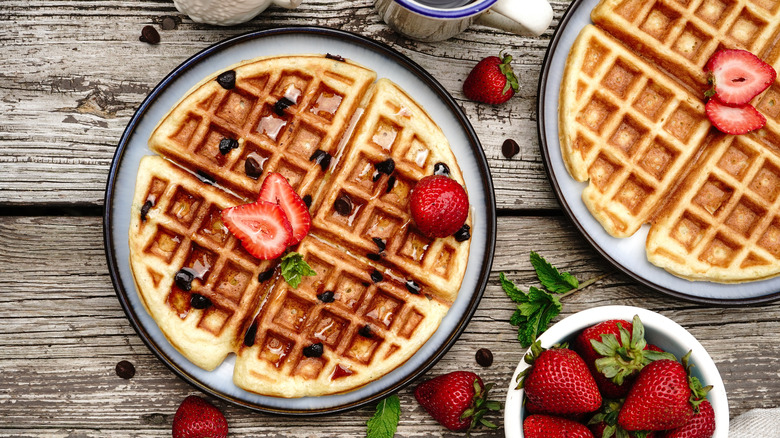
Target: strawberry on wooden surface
<point x="277" y="190"/>
<point x="197" y="418"/>
<point x="548" y="426"/>
<point x="457" y="400"/>
<point x="737" y="76"/>
<point x="558" y="382"/>
<point x="491" y="81"/>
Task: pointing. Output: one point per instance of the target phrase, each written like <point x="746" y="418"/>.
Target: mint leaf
<point x="385" y="420"/>
<point x="294" y="268"/>
<point x="551" y="279"/>
<point x="511" y="290"/>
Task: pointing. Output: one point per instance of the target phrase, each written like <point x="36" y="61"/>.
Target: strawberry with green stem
<point x="457" y="400"/>
<point x="492" y="80"/>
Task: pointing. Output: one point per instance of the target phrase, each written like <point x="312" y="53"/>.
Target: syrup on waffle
<point x="632" y="123"/>
<point x="353" y="149"/>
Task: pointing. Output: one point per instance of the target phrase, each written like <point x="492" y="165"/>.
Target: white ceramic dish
<point x="627" y="254"/>
<point x="659" y="330"/>
<point x="388" y="63"/>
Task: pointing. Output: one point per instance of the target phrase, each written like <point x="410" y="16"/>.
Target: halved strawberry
<point x="738" y="76"/>
<point x="277" y="190"/>
<point x="262" y="227"/>
<point x="734" y="120"/>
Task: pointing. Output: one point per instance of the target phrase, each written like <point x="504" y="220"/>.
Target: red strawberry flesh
<point x="559" y="383"/>
<point x="439" y="206"/>
<point x="734" y="120"/>
<point x="547" y="426"/>
<point x="739" y="76"/>
<point x="277" y="190"/>
<point x="659" y="399"/>
<point x="262" y="228"/>
<point x="702" y="425"/>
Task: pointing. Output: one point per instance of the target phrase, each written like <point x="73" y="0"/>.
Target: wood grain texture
<point x="74" y="72"/>
<point x="64" y="331"/>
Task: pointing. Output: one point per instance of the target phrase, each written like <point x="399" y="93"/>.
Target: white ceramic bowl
<point x="659" y="330"/>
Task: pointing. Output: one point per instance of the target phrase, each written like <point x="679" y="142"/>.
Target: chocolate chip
<point x="374" y="257"/>
<point x="252" y="168"/>
<point x="307" y="201"/>
<point x="183" y="279"/>
<point x="484" y="357"/>
<point x="281" y="105"/>
<point x="441" y="169"/>
<point x="227" y="144"/>
<point x="149" y="35"/>
<point x="379" y="243"/>
<point x="227" y="79"/>
<point x="198" y="301"/>
<point x="251" y="333"/>
<point x="145" y="210"/>
<point x="326" y="297"/>
<point x="366" y="332"/>
<point x="265" y="275"/>
<point x="335" y="57"/>
<point x="322" y="158"/>
<point x="313" y="350"/>
<point x="125" y="369"/>
<point x="376" y="176"/>
<point x="390" y="183"/>
<point x="343" y="205"/>
<point x="412" y="287"/>
<point x="168" y="23"/>
<point x="205" y="177"/>
<point x="510" y="148"/>
<point x="463" y="233"/>
<point x="387" y="167"/>
<point x="377" y="276"/>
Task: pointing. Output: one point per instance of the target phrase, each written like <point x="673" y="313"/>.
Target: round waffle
<point x="324" y="124"/>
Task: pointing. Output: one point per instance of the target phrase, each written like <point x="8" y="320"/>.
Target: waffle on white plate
<point x="352" y="147"/>
<point x="632" y="124"/>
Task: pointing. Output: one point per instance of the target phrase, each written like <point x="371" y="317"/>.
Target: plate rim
<point x="543" y="146"/>
<point x="365" y="42"/>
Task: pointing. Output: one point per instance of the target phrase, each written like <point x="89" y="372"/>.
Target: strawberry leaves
<point x="385" y="420"/>
<point x="294" y="268"/>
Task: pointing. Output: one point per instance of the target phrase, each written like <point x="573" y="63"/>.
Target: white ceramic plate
<point x="659" y="330"/>
<point x="388" y="63"/>
<point x="627" y="254"/>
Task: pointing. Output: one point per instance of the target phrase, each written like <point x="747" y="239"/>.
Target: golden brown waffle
<point x="391" y="286"/>
<point x="632" y="123"/>
<point x="681" y="35"/>
<point x="324" y="93"/>
<point x="175" y="224"/>
<point x="393" y="129"/>
<point x="627" y="128"/>
<point x="371" y="326"/>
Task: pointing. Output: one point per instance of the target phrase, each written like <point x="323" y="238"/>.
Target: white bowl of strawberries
<point x="656" y="380"/>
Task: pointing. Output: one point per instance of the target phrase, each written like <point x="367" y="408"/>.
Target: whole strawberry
<point x="491" y="81"/>
<point x="457" y="400"/>
<point x="197" y="418"/>
<point x="604" y="423"/>
<point x="663" y="397"/>
<point x="439" y="206"/>
<point x="558" y="382"/>
<point x="547" y="426"/>
<point x="702" y="425"/>
<point x="615" y="351"/>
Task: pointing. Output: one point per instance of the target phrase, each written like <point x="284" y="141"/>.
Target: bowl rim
<point x="704" y="366"/>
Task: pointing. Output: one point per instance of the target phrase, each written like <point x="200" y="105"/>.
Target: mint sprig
<point x="294" y="268"/>
<point x="537" y="307"/>
<point x="385" y="420"/>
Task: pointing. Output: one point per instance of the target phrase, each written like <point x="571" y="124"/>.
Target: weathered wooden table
<point x="73" y="72"/>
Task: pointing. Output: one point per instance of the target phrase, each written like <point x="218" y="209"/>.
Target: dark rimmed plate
<point x="299" y="40"/>
<point x="627" y="254"/>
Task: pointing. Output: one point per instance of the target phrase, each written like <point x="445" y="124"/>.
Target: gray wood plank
<point x="74" y="73"/>
<point x="63" y="332"/>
